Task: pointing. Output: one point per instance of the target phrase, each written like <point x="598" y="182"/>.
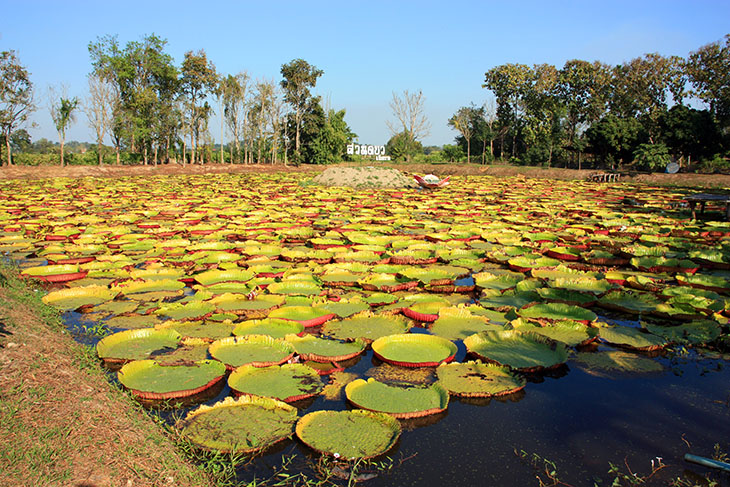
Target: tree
<point x="583" y="90"/>
<point x="234" y="106"/>
<point x="63" y="114"/>
<point x="330" y="144"/>
<point x="708" y="69"/>
<point x="403" y="147"/>
<point x="16" y="97"/>
<point x="615" y="139"/>
<point x="411" y="119"/>
<point x="507" y="82"/>
<point x="198" y="80"/>
<point x="463" y="121"/>
<point x="99" y="109"/>
<point x="690" y="133"/>
<point x="314" y="121"/>
<point x="644" y="87"/>
<point x="299" y="77"/>
<point x="146" y="81"/>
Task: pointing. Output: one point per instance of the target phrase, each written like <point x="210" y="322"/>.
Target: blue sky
<point x="367" y="49"/>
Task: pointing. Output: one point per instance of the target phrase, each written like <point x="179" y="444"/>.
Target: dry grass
<point x="662" y="179"/>
<point x="61" y="422"/>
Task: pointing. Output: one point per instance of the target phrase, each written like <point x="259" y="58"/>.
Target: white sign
<point x="366" y="150"/>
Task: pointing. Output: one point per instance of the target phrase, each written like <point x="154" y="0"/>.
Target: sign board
<point x="376" y="151"/>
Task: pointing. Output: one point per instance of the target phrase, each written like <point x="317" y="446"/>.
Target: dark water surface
<point x="579" y="421"/>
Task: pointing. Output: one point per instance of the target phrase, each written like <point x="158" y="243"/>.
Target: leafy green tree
<point x="147" y="83"/>
<point x="583" y="90"/>
<point x="708" y="69"/>
<point x="690" y="133"/>
<point x="614" y="139"/>
<point x="508" y="82"/>
<point x="452" y="153"/>
<point x="644" y="87"/>
<point x="330" y="144"/>
<point x="465" y="120"/>
<point x="198" y="80"/>
<point x="63" y="113"/>
<point x="299" y="77"/>
<point x="16" y="98"/>
<point x="403" y="147"/>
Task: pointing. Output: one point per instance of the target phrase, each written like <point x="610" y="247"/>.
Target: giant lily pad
<point x="366" y="325"/>
<point x="244" y="425"/>
<point x="557" y="311"/>
<point x="273" y="327"/>
<point x="193" y="310"/>
<point x="148" y="379"/>
<point x="255" y="350"/>
<point x="459" y="323"/>
<point x="128" y="345"/>
<point x="310" y="347"/>
<point x="414" y="350"/>
<point x="569" y="332"/>
<point x="398" y="400"/>
<point x="634" y="338"/>
<point x="76" y="297"/>
<point x="527" y="352"/>
<point x="475" y="379"/>
<point x="349" y="434"/>
<point x="288" y="382"/>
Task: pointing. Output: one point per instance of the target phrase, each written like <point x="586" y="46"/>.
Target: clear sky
<point x="367" y="49"/>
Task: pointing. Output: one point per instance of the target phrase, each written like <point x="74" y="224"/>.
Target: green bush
<point x="718" y="164"/>
<point x="650" y="157"/>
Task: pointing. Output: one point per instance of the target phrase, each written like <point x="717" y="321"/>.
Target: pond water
<point x="578" y="420"/>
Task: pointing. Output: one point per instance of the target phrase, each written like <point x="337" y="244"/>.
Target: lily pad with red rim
<point x="148" y="379"/>
<point x="398" y="400"/>
<point x="414" y="350"/>
<point x="288" y="383"/>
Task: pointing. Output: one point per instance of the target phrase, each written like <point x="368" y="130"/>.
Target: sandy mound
<point x="365" y="177"/>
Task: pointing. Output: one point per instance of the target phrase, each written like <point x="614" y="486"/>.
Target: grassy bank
<point x="61" y="421"/>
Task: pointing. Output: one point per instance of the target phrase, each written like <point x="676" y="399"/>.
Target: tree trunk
<point x="144" y="154"/>
<point x="98" y="151"/>
<point x="222" y="120"/>
<point x="9" y="151"/>
<point x="62" y="162"/>
<point x="184" y="149"/>
<point x="468" y="151"/>
<point x="155" y="156"/>
<point x="116" y="149"/>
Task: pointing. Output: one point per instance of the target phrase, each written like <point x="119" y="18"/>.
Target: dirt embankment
<point x="37" y="172"/>
<point x="61" y="422"/>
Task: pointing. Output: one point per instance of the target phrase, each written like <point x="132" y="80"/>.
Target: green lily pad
<point x="244" y="425"/>
<point x="256" y="350"/>
<point x="72" y="298"/>
<point x="149" y="379"/>
<point x="414" y="350"/>
<point x="398" y="400"/>
<point x="289" y="382"/>
<point x="556" y="311"/>
<point x="366" y="325"/>
<point x="295" y="288"/>
<point x="193" y="310"/>
<point x="136" y="344"/>
<point x="349" y="434"/>
<point x="459" y="323"/>
<point x="273" y="327"/>
<point x="217" y="276"/>
<point x="475" y="379"/>
<point x="698" y="332"/>
<point x="527" y="352"/>
<point x="317" y="349"/>
<point x="631" y="338"/>
<point x="569" y="332"/>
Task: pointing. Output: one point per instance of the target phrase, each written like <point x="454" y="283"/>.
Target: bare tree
<point x="259" y="111"/>
<point x="490" y="119"/>
<point x="99" y="109"/>
<point x="409" y="112"/>
<point x="234" y="107"/>
<point x="276" y="119"/>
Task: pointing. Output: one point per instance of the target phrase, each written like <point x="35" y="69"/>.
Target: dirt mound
<point x="365" y="177"/>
